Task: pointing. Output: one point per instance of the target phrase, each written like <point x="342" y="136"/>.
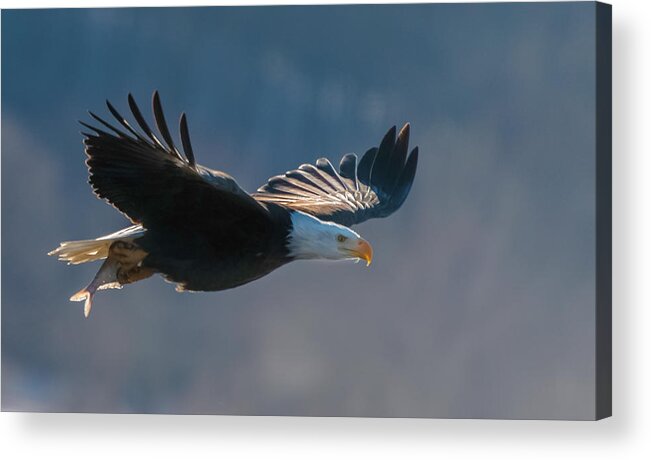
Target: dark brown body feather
<point x="222" y="255"/>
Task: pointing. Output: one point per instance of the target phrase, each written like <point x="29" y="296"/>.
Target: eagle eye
<point x="341" y="238"/>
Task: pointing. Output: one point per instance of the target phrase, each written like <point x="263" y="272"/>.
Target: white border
<point x="626" y="435"/>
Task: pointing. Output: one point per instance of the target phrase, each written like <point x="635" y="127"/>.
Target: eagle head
<point x="312" y="238"/>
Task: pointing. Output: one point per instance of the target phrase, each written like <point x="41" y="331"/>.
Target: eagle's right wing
<point x="153" y="184"/>
<point x="375" y="187"/>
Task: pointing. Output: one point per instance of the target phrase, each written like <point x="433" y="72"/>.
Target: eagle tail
<point x="82" y="251"/>
<point x="79" y="252"/>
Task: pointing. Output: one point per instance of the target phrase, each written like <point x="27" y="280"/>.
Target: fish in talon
<point x="106" y="278"/>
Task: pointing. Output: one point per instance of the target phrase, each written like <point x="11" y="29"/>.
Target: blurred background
<point x="480" y="300"/>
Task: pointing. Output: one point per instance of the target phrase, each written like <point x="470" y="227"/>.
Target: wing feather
<point x="124" y="122"/>
<point x="162" y="125"/>
<point x="135" y="110"/>
<point x="185" y="140"/>
<point x="365" y="165"/>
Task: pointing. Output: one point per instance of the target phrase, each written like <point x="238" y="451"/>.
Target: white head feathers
<point x="312" y="238"/>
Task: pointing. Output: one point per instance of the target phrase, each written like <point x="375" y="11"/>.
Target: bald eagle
<point x="199" y="229"/>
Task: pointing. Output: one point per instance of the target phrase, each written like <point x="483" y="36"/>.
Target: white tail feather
<point x="79" y="252"/>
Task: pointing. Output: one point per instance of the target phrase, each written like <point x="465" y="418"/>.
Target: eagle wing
<point x="148" y="179"/>
<point x="375" y="187"/>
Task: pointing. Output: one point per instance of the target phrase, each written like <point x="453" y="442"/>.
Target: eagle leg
<point x="128" y="275"/>
<point x="130" y="257"/>
<point x="122" y="266"/>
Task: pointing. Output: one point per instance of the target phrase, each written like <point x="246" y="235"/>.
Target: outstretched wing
<point x="149" y="180"/>
<point x="376" y="187"/>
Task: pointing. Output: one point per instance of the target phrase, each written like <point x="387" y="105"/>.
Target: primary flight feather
<point x="199" y="229"/>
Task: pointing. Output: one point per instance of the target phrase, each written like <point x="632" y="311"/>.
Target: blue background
<point x="480" y="300"/>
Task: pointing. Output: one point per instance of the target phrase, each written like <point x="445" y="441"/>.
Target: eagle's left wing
<point x="152" y="183"/>
<point x="376" y="187"/>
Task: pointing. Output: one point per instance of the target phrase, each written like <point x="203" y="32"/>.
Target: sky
<point x="480" y="299"/>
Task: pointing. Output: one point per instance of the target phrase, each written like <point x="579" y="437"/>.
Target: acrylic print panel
<point x="489" y="291"/>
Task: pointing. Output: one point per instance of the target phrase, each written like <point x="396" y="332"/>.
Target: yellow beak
<point x="362" y="250"/>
